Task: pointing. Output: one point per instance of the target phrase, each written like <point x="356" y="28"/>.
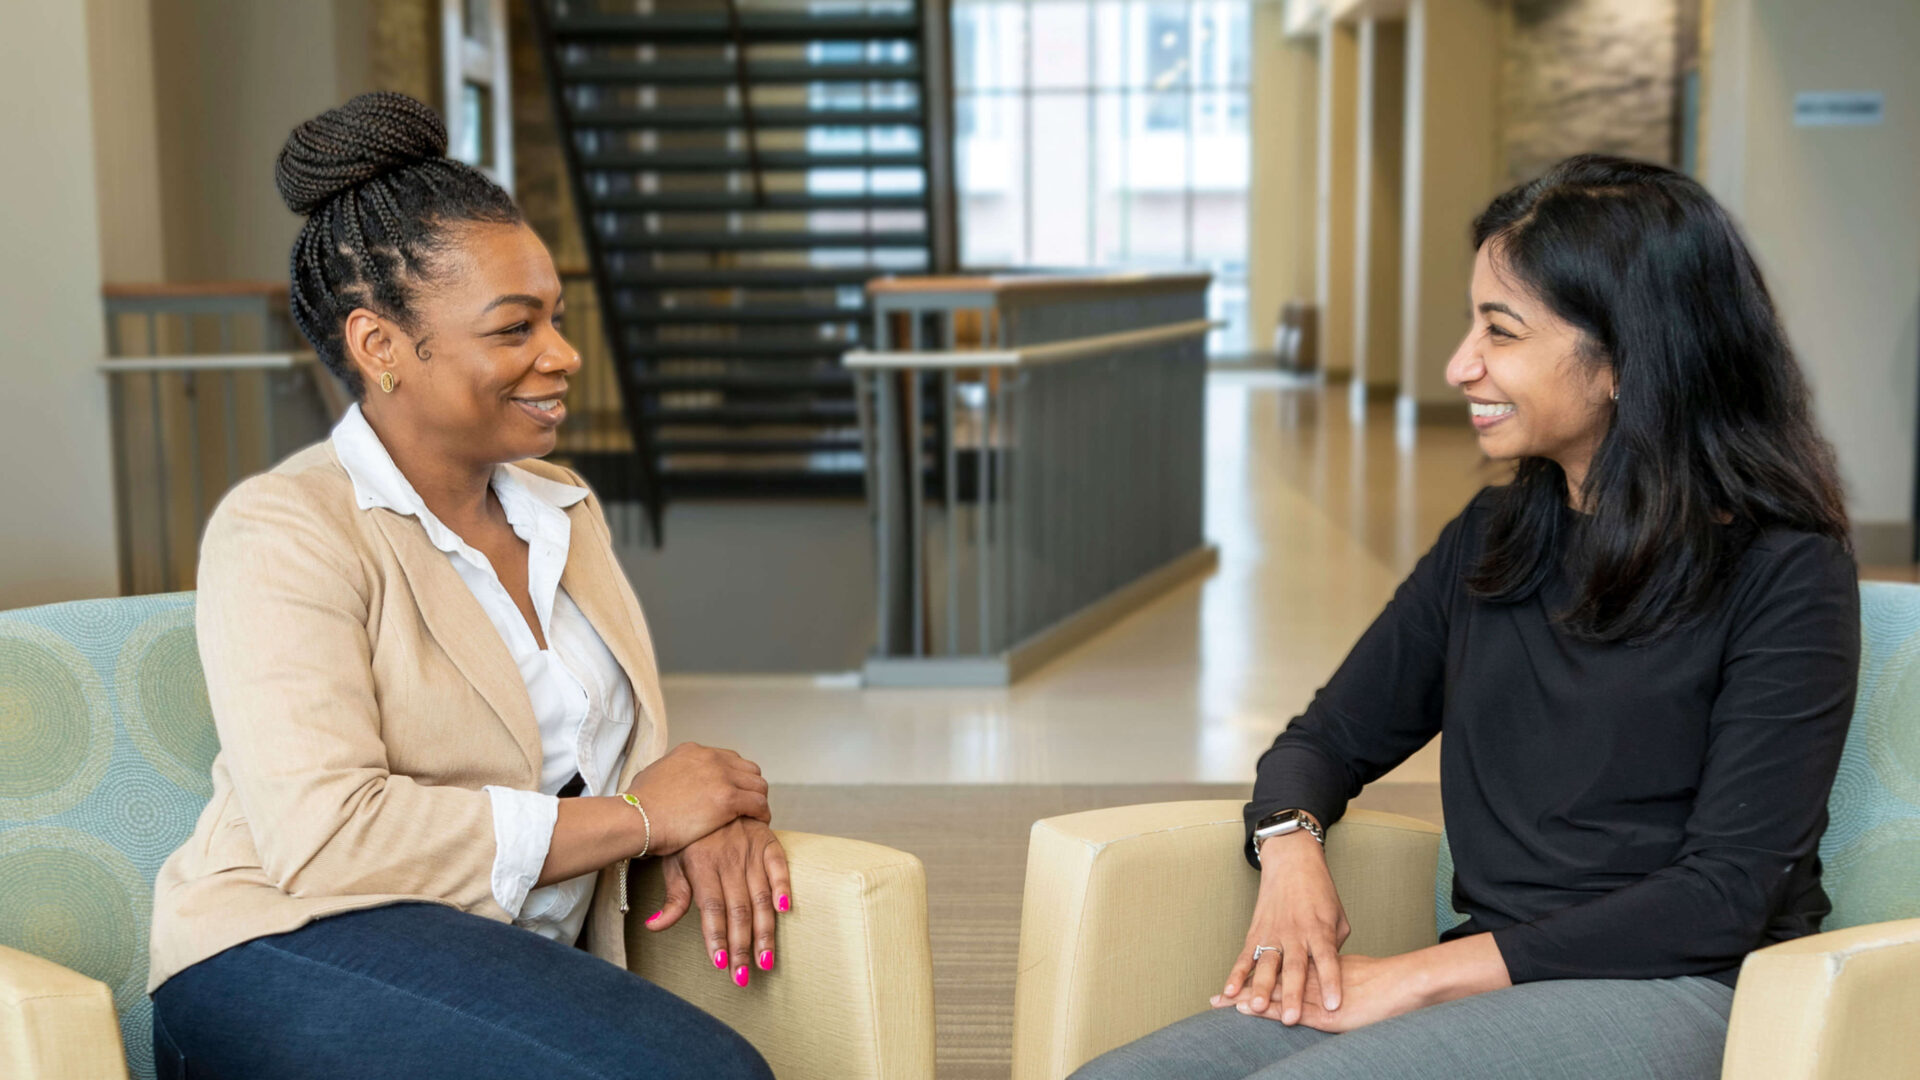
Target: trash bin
<point x="1296" y="340"/>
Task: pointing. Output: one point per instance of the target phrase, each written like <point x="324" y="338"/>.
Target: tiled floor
<point x="1317" y="519"/>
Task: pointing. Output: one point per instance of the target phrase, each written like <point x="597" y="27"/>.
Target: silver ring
<point x="1262" y="950"/>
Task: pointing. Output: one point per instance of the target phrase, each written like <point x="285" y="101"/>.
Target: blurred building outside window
<point x="1106" y="134"/>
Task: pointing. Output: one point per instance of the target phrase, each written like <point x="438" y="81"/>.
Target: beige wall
<point x="1833" y="215"/>
<point x="126" y="139"/>
<point x="1452" y="170"/>
<point x="192" y="99"/>
<point x="1334" y="186"/>
<point x="56" y="535"/>
<point x="1377" y="202"/>
<point x="233" y="77"/>
<point x="1280" y="212"/>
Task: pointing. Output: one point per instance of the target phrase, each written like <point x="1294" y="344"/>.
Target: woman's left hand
<point x="737" y="876"/>
<point x="1372" y="990"/>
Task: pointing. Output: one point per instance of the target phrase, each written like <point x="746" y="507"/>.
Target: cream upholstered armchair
<point x="105" y="742"/>
<point x="1132" y="915"/>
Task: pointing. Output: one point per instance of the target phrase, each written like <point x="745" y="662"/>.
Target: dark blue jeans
<point x="423" y="991"/>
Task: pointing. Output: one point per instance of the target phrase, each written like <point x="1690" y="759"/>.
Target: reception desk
<point x="1035" y="471"/>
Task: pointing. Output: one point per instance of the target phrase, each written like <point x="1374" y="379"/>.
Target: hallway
<point x="1317" y="519"/>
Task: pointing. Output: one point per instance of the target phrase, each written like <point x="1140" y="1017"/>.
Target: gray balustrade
<point x="1032" y="487"/>
<point x="203" y="390"/>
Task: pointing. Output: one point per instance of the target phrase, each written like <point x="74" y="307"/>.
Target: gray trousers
<point x="1575" y="1029"/>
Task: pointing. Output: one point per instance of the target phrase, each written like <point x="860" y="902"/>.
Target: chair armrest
<point x="1133" y="915"/>
<point x="1828" y="1006"/>
<point x="851" y="993"/>
<point x="55" y="1023"/>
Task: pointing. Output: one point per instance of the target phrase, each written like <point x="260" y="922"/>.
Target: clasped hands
<point x="1300" y="976"/>
<point x="711" y="828"/>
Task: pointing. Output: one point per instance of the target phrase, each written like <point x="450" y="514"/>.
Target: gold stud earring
<point x="388" y="382"/>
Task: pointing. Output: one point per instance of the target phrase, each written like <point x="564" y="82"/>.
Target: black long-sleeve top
<point x="1614" y="810"/>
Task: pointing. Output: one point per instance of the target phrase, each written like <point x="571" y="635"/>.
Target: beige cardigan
<point x="362" y="700"/>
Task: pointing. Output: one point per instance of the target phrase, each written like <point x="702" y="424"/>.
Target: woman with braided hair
<point x="442" y="741"/>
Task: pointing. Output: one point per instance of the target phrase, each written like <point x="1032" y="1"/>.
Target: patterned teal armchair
<point x="106" y="744"/>
<point x="88" y="812"/>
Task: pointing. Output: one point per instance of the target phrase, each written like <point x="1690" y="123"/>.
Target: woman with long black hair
<point x="1643" y="653"/>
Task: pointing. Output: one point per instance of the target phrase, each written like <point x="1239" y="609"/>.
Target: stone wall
<point x="1587" y="75"/>
<point x="404" y="48"/>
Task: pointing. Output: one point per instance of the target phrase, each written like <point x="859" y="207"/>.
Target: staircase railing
<point x="741" y="169"/>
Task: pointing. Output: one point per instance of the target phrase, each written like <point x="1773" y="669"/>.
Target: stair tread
<point x="723" y="72"/>
<point x="754" y="26"/>
<point x="716" y="313"/>
<point x="726" y="117"/>
<point x="824" y="444"/>
<point x="799" y="277"/>
<point x="727" y="349"/>
<point x="730" y="161"/>
<point x="744" y="200"/>
<point x="751" y="241"/>
<point x="744" y="414"/>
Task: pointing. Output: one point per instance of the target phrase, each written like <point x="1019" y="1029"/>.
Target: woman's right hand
<point x="1300" y="917"/>
<point x="693" y="790"/>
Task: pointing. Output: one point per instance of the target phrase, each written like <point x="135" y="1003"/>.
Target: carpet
<point x="973" y="841"/>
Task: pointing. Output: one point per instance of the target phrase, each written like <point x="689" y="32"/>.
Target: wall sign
<point x="1846" y="108"/>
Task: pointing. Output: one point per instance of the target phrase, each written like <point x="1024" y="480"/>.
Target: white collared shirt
<point x="581" y="698"/>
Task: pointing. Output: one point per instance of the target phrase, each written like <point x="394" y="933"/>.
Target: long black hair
<point x="1712" y="438"/>
<point x="379" y="194"/>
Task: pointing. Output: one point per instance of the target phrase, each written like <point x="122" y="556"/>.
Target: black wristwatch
<point x="1281" y="822"/>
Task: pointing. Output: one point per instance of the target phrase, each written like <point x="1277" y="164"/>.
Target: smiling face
<point x="1523" y="369"/>
<point x="481" y="377"/>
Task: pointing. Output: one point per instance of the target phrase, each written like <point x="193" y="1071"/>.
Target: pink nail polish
<point x="766" y="960"/>
<point x="740" y="975"/>
<point x="655" y="915"/>
<point x="720" y="959"/>
<point x="783" y="903"/>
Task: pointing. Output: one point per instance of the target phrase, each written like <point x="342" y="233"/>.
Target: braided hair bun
<point x="381" y="199"/>
<point x="367" y="138"/>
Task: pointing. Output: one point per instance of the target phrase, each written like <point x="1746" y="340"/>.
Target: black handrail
<point x="744" y="83"/>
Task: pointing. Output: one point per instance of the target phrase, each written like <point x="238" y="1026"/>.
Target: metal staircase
<point x="741" y="168"/>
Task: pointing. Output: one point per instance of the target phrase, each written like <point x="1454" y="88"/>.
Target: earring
<point x="388" y="382"/>
<point x="1614" y="394"/>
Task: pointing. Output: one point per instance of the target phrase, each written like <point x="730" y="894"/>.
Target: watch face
<point x="1275" y="828"/>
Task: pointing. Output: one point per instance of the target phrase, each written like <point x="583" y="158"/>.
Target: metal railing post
<point x="916" y="477"/>
<point x="983" y="490"/>
<point x="160" y="486"/>
<point x="951" y="480"/>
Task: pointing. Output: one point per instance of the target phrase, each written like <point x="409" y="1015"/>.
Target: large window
<point x="1106" y="133"/>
